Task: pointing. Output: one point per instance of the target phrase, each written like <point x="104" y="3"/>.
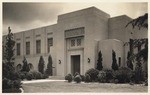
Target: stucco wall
<point x="106" y="47"/>
<point x="96" y="28"/>
<point x="42" y="34"/>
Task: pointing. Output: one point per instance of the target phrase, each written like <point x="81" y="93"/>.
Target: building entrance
<point x="75" y="64"/>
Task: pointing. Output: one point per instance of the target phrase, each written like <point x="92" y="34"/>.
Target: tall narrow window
<point x="72" y="42"/>
<point x="119" y="61"/>
<point x="27" y="48"/>
<point x="49" y="44"/>
<point x="18" y="48"/>
<point x="38" y="46"/>
<point x="78" y="42"/>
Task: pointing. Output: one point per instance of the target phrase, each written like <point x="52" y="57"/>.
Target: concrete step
<point x="57" y="77"/>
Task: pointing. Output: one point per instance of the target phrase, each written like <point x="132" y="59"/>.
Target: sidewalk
<point x="50" y="79"/>
<point x="40" y="81"/>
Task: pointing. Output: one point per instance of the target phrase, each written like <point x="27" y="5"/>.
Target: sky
<point x="26" y="16"/>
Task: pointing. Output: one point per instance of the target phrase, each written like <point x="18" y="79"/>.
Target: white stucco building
<point x="76" y="39"/>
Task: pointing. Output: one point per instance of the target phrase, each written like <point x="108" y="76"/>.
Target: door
<point x="75" y="64"/>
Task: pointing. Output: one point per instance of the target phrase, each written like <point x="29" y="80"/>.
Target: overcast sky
<point x="25" y="16"/>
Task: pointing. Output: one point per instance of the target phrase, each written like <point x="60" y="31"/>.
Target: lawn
<point x="63" y="86"/>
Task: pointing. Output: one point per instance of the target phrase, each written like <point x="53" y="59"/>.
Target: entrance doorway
<point x="75" y="64"/>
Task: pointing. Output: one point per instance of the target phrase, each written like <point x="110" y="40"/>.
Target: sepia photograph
<point x="74" y="47"/>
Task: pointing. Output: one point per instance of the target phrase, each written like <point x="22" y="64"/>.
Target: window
<point x="72" y="42"/>
<point x="18" y="48"/>
<point x="119" y="61"/>
<point x="38" y="46"/>
<point x="27" y="48"/>
<point x="78" y="42"/>
<point x="49" y="43"/>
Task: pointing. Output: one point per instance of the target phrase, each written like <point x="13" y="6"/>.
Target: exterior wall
<point x="106" y="47"/>
<point x="32" y="35"/>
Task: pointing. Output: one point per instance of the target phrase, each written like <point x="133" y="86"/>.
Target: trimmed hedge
<point x="124" y="75"/>
<point x="87" y="78"/>
<point x="93" y="74"/>
<point x="102" y="76"/>
<point x="77" y="79"/>
<point x="69" y="77"/>
<point x="82" y="77"/>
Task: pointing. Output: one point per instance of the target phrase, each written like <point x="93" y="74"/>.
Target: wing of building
<point x="76" y="39"/>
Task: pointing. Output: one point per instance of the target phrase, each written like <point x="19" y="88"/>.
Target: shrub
<point x="93" y="74"/>
<point x="114" y="61"/>
<point x="76" y="74"/>
<point x="77" y="79"/>
<point x="109" y="75"/>
<point x="25" y="66"/>
<point x="102" y="76"/>
<point x="29" y="76"/>
<point x="17" y="84"/>
<point x="99" y="61"/>
<point x="129" y="61"/>
<point x="12" y="90"/>
<point x="5" y="84"/>
<point x="82" y="77"/>
<point x="36" y="75"/>
<point x="49" y="69"/>
<point x="139" y="74"/>
<point x="45" y="76"/>
<point x="87" y="78"/>
<point x="69" y="77"/>
<point x="123" y="75"/>
<point x="15" y="75"/>
<point x="41" y="65"/>
<point x="22" y="76"/>
<point x="9" y="84"/>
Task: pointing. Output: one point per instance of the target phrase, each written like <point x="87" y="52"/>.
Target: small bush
<point x="76" y="74"/>
<point x="36" y="74"/>
<point x="87" y="78"/>
<point x="29" y="76"/>
<point x="102" y="76"/>
<point x="5" y="83"/>
<point x="10" y="84"/>
<point x="77" y="79"/>
<point x="22" y="76"/>
<point x="17" y="84"/>
<point x="93" y="74"/>
<point x="123" y="75"/>
<point x="45" y="76"/>
<point x="68" y="77"/>
<point x="14" y="76"/>
<point x="82" y="77"/>
<point x="109" y="75"/>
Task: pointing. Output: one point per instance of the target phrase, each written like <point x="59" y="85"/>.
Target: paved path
<point x="40" y="81"/>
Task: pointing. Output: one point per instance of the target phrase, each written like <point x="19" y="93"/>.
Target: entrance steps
<point x="57" y="77"/>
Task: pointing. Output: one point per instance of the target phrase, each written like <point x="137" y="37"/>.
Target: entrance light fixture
<point x="89" y="60"/>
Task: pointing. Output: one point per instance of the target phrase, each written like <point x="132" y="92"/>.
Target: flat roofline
<point x="61" y="16"/>
<point x="121" y="16"/>
<point x="35" y="28"/>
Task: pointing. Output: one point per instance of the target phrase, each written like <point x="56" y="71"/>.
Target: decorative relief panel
<point x="50" y="33"/>
<point x="74" y="32"/>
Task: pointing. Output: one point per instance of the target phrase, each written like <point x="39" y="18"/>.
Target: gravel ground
<point x="63" y="86"/>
